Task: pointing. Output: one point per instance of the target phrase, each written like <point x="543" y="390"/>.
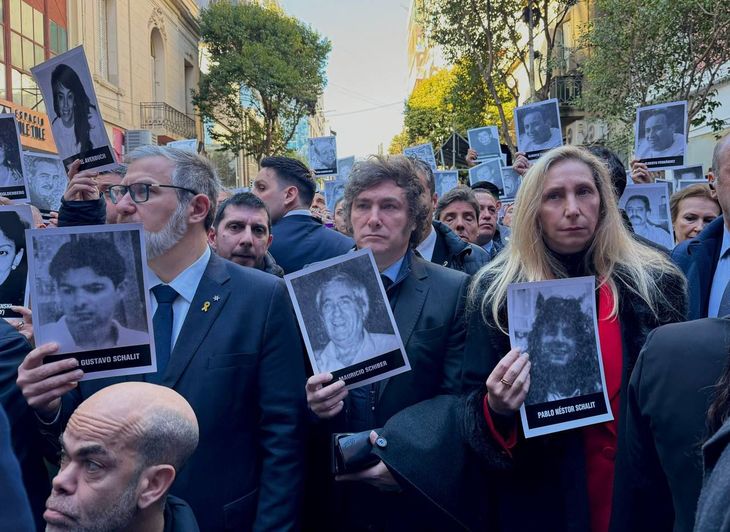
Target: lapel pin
<point x="216" y="298"/>
<point x="206" y="306"/>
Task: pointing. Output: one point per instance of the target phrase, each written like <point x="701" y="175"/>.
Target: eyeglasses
<point x="138" y="192"/>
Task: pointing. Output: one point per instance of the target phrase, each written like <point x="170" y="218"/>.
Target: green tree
<point x="493" y="36"/>
<point x="453" y="99"/>
<point x="267" y="71"/>
<point x="651" y="51"/>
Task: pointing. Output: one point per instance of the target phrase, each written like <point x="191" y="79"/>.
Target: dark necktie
<point x="724" y="308"/>
<point x="387" y="283"/>
<point x="162" y="324"/>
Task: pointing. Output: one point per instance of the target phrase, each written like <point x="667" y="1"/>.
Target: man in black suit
<point x="437" y="242"/>
<point x="705" y="259"/>
<point x="287" y="188"/>
<point x="384" y="210"/>
<point x="225" y="338"/>
<point x="659" y="466"/>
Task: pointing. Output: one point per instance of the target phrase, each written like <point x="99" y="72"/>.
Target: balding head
<point x="122" y="449"/>
<point x="157" y="422"/>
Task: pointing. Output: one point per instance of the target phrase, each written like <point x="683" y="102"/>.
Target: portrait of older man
<point x="46" y="181"/>
<point x="639" y="209"/>
<point x="344" y="305"/>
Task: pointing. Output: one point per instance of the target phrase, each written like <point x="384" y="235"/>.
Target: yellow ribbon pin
<point x="206" y="306"/>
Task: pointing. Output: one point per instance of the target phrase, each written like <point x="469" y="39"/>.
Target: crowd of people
<point x="235" y="431"/>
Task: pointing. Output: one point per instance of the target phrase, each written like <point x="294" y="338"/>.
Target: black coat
<point x="246" y="386"/>
<point x="452" y="252"/>
<point x="660" y="466"/>
<point x="713" y="511"/>
<point x="28" y="447"/>
<point x="428" y="306"/>
<point x="547" y="486"/>
<point x="698" y="258"/>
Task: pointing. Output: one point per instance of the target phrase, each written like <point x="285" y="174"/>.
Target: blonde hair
<point x="527" y="258"/>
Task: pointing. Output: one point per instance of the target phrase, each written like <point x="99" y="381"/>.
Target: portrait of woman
<point x="692" y="209"/>
<point x="566" y="224"/>
<point x="13" y="262"/>
<point x="77" y="127"/>
<point x="11" y="173"/>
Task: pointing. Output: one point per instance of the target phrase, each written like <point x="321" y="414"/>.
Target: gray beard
<point x="162" y="241"/>
<point x="108" y="516"/>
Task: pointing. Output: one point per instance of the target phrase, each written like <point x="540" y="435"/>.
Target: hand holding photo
<point x="346" y="321"/>
<point x="485" y="141"/>
<point x="90" y="296"/>
<point x="79" y="132"/>
<point x="555" y="322"/>
<point x="538" y="128"/>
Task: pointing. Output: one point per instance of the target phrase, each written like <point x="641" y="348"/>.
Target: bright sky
<point x="367" y="71"/>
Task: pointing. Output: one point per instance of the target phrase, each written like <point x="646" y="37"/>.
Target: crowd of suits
<point x="242" y="367"/>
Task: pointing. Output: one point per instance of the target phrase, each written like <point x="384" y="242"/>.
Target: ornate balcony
<point x="164" y="120"/>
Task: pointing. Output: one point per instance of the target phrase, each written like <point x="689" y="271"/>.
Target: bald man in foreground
<point x="120" y="453"/>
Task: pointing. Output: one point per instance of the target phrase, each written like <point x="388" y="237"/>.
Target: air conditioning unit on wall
<point x="134" y="138"/>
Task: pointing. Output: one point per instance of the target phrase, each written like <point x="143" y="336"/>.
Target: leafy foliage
<point x="652" y="51"/>
<point x="267" y="71"/>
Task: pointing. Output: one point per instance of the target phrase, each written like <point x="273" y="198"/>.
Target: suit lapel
<point x="409" y="305"/>
<point x="211" y="295"/>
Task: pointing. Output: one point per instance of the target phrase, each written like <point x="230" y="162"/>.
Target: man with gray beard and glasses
<point x="225" y="339"/>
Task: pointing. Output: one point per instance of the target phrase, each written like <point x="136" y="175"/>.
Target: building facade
<point x="143" y="57"/>
<point x="31" y="31"/>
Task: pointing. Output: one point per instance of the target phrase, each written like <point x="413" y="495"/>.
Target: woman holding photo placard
<point x="566" y="224"/>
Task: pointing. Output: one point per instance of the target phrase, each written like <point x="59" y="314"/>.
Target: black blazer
<point x="27" y="446"/>
<point x="660" y="466"/>
<point x="14" y="507"/>
<point x="300" y="240"/>
<point x="697" y="258"/>
<point x="429" y="312"/>
<point x="548" y="474"/>
<point x="240" y="366"/>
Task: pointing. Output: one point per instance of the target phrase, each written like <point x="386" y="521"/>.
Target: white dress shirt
<point x="426" y="247"/>
<point x="185" y="284"/>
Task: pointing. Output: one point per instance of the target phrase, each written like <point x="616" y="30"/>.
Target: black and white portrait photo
<point x="689" y="172"/>
<point x="333" y="191"/>
<point x="555" y="322"/>
<point x="323" y="155"/>
<point x="684" y="183"/>
<point x="647" y="206"/>
<point x="512" y="181"/>
<point x="14" y="220"/>
<point x="485" y="141"/>
<point x="344" y="167"/>
<point x="78" y="129"/>
<point x="670" y="184"/>
<point x="424" y="152"/>
<point x="489" y="170"/>
<point x="346" y="321"/>
<point x="12" y="184"/>
<point x="46" y="179"/>
<point x="661" y="135"/>
<point x="445" y="181"/>
<point x="538" y="128"/>
<point x="89" y="295"/>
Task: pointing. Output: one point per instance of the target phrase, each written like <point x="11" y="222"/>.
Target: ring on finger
<point x="507" y="383"/>
<point x="19" y="325"/>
